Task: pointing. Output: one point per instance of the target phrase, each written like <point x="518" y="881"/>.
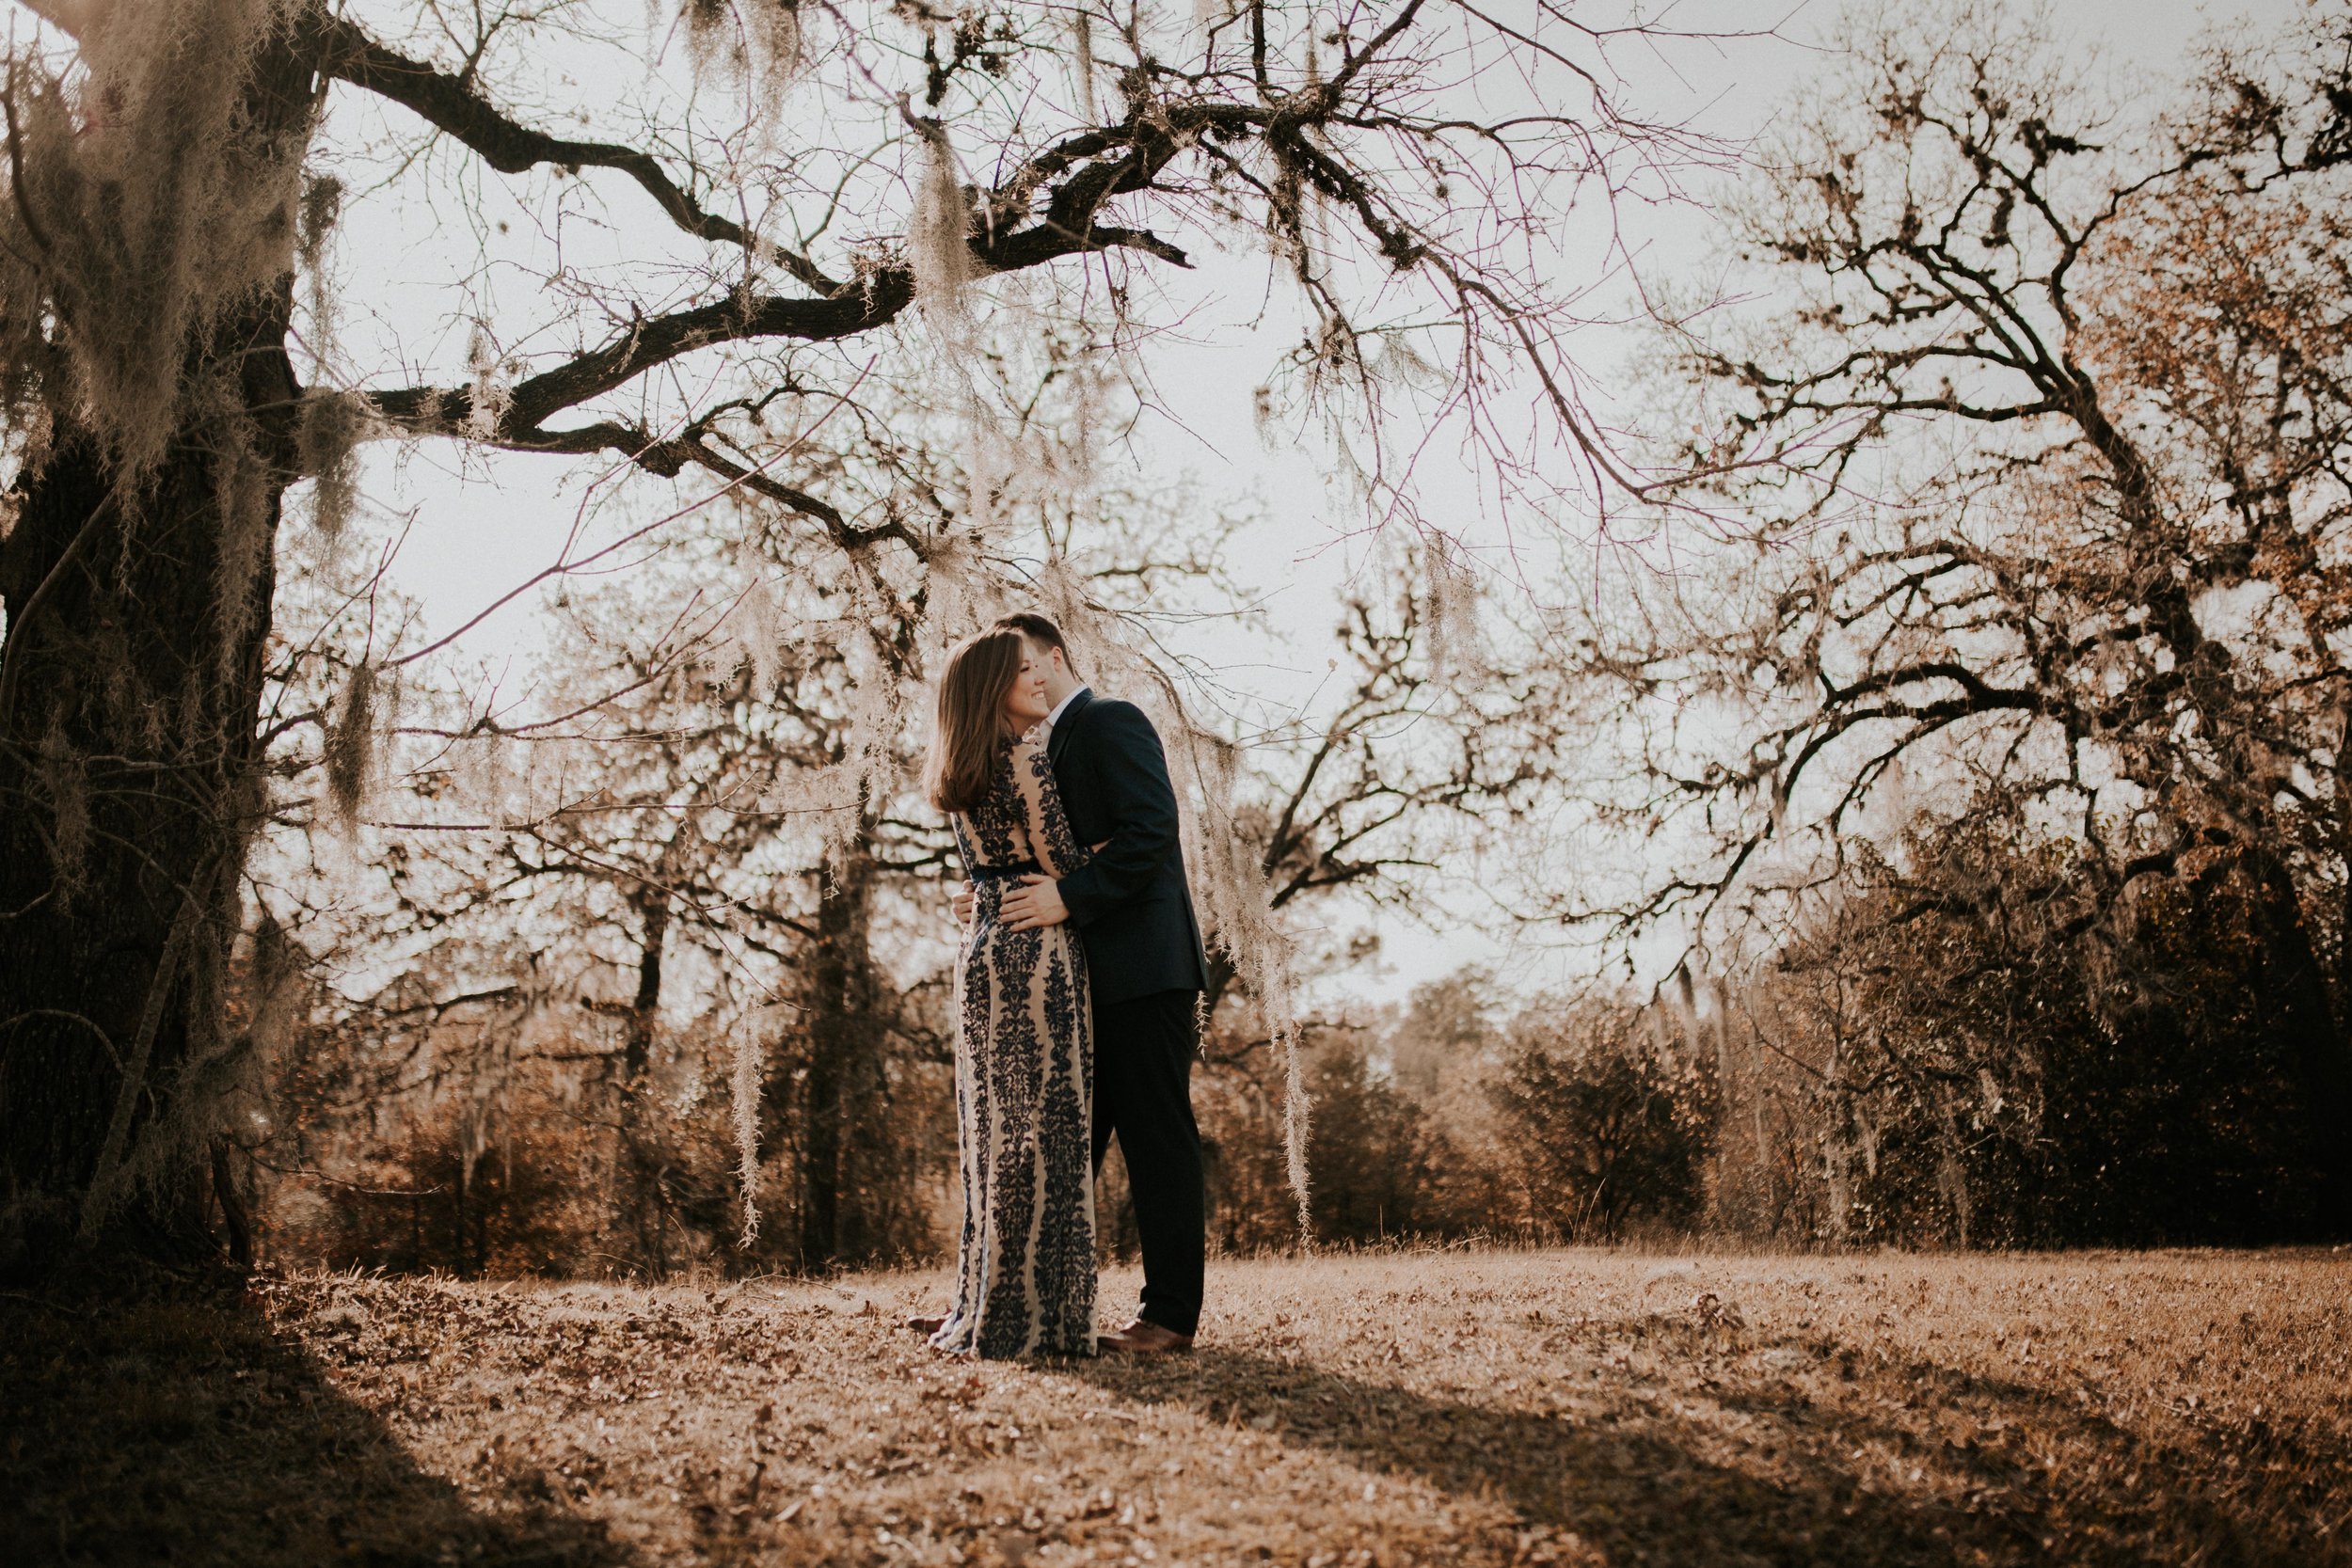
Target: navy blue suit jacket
<point x="1130" y="903"/>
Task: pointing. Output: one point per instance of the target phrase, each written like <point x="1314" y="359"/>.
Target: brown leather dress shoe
<point x="926" y="1326"/>
<point x="1143" y="1338"/>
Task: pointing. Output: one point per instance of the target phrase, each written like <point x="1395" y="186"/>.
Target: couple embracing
<point x="1076" y="984"/>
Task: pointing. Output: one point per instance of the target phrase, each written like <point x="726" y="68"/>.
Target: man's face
<point x="1047" y="665"/>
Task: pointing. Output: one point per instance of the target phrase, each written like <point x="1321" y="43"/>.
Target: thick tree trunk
<point x="643" y="1162"/>
<point x="2299" y="1008"/>
<point x="654" y="927"/>
<point x="844" y="1050"/>
<point x="130" y="786"/>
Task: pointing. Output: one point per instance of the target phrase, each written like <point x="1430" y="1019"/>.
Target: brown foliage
<point x="2032" y="485"/>
<point x="1956" y="1056"/>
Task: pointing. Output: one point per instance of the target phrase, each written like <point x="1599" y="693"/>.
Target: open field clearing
<point x="1570" y="1407"/>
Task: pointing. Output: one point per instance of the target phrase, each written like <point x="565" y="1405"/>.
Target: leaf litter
<point x="1342" y="1412"/>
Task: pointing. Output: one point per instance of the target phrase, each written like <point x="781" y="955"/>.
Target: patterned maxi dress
<point x="1025" y="1089"/>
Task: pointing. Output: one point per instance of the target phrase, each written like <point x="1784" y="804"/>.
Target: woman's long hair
<point x="968" y="726"/>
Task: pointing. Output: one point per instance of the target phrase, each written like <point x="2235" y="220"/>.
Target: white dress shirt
<point x="1054" y="717"/>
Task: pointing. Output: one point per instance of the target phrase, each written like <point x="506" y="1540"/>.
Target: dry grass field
<point x="1574" y="1407"/>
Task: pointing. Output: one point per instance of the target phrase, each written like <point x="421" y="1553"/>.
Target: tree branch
<point x="453" y="105"/>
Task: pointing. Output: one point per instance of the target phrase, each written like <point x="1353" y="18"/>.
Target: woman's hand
<point x="963" y="903"/>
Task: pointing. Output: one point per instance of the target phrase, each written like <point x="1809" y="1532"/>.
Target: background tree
<point x="1613" y="1125"/>
<point x="1988" y="1082"/>
<point x="2047" y="474"/>
<point x="1445" y="736"/>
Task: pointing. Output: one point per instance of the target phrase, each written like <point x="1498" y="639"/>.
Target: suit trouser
<point x="1143" y="1051"/>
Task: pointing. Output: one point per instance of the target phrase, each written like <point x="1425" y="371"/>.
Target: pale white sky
<point x="483" y="527"/>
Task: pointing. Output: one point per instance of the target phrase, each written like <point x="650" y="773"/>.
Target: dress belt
<point x="1004" y="872"/>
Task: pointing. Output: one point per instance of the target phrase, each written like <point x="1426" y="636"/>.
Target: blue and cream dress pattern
<point x="1024" y="1076"/>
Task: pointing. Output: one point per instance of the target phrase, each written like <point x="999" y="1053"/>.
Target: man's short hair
<point x="1038" y="629"/>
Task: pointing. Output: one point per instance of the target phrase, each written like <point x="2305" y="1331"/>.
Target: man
<point x="1134" y="913"/>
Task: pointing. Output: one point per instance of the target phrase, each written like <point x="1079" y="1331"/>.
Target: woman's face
<point x="1026" y="703"/>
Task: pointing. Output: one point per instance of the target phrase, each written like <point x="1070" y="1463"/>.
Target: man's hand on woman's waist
<point x="1034" y="905"/>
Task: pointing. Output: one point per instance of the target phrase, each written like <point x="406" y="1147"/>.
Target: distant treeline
<point x="1939" y="1063"/>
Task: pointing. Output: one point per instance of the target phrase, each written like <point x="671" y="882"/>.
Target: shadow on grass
<point x="1640" y="1482"/>
<point x="181" y="1429"/>
<point x="2117" y="1496"/>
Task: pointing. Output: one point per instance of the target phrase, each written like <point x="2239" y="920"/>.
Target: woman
<point x="1024" y="1047"/>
